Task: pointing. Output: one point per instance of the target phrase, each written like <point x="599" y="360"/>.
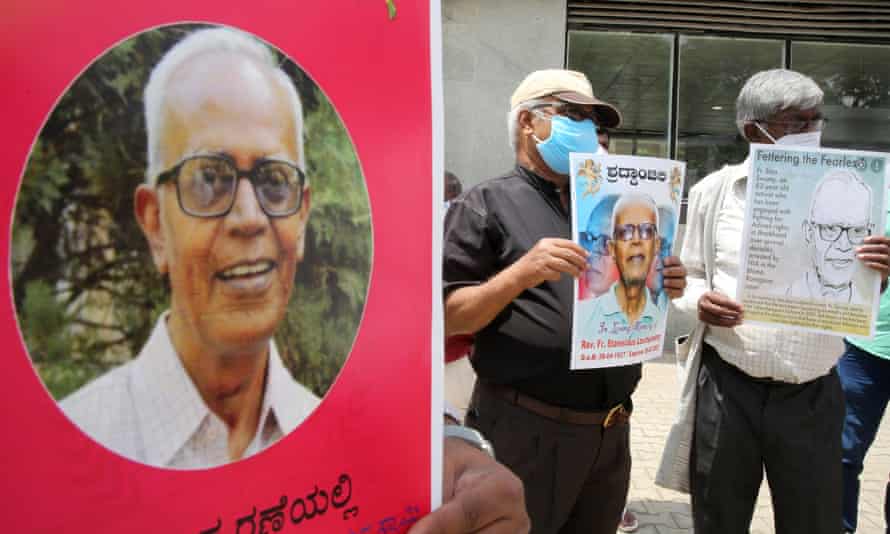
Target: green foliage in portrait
<point x="85" y="287"/>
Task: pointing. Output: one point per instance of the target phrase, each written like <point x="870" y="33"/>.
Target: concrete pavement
<point x="662" y="511"/>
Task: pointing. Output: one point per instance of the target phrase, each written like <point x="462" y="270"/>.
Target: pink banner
<point x="360" y="462"/>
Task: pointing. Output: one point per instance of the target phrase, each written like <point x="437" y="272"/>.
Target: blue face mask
<point x="567" y="136"/>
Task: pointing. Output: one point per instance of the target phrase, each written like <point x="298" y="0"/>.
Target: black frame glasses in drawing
<point x="832" y="232"/>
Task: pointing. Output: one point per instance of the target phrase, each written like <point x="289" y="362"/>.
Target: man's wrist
<point x="516" y="279"/>
<point x="470" y="436"/>
<point x="452" y="417"/>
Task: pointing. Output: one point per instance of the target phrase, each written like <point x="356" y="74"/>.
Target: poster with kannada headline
<point x="807" y="210"/>
<point x="625" y="211"/>
<point x="205" y="273"/>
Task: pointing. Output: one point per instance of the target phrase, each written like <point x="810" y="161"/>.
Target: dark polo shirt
<point x="527" y="345"/>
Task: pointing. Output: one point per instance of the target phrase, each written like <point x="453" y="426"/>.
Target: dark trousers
<point x="865" y="379"/>
<point x="575" y="476"/>
<point x="744" y="426"/>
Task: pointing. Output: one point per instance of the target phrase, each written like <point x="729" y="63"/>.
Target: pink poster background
<point x="373" y="425"/>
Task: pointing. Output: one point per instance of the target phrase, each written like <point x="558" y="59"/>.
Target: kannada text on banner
<point x="205" y="259"/>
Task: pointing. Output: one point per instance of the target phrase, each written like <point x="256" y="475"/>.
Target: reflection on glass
<point x="655" y="147"/>
<point x="635" y="71"/>
<point x="632" y="71"/>
<point x="856" y="81"/>
<point x="712" y="71"/>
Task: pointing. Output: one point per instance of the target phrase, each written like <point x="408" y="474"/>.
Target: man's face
<point x="838" y="206"/>
<point x="598" y="276"/>
<point x="786" y="122"/>
<point x="231" y="276"/>
<point x="634" y="243"/>
<point x="537" y="121"/>
<point x="543" y="113"/>
<point x="602" y="137"/>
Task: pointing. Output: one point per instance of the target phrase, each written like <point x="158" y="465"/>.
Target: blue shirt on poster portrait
<point x="607" y="319"/>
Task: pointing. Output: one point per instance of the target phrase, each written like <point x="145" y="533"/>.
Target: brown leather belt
<point x="617" y="415"/>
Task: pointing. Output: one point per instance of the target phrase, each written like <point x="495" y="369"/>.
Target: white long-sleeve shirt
<point x="760" y="351"/>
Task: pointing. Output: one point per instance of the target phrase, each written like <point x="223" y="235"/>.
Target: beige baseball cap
<point x="566" y="85"/>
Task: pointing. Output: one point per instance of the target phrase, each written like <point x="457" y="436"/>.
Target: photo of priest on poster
<point x="627" y="210"/>
<point x="176" y="291"/>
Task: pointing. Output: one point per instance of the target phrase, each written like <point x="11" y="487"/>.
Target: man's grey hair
<point x="847" y="177"/>
<point x="513" y="120"/>
<point x="215" y="40"/>
<point x="771" y="91"/>
<point x="633" y="199"/>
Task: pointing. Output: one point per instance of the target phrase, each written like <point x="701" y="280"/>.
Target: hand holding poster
<point x="807" y="212"/>
<point x="625" y="210"/>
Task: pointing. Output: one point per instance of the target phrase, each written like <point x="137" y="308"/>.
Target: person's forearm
<point x="470" y="309"/>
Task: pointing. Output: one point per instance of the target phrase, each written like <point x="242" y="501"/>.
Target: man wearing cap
<point x="506" y="252"/>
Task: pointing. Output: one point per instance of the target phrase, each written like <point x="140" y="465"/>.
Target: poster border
<point x="746" y="234"/>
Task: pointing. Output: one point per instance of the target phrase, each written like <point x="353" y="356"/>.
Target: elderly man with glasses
<point x="224" y="209"/>
<point x="598" y="276"/>
<point x="839" y="220"/>
<point x="758" y="398"/>
<point x="628" y="309"/>
<point x="509" y="267"/>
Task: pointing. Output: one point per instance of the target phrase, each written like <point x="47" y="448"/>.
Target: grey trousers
<point x="744" y="426"/>
<point x="575" y="476"/>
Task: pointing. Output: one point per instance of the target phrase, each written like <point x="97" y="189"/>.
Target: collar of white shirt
<point x="610" y="305"/>
<point x="163" y="391"/>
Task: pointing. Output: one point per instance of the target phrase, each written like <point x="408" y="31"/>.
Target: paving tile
<point x="663" y="511"/>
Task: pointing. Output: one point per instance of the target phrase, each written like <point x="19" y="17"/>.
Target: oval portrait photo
<point x="191" y="247"/>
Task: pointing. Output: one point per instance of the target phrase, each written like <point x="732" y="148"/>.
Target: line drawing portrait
<point x="839" y="220"/>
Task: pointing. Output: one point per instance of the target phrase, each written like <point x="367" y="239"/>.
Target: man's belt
<point x="617" y="415"/>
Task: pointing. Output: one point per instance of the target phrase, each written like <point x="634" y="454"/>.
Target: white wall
<point x="489" y="47"/>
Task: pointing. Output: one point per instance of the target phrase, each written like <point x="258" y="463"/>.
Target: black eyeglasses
<point x="625" y="232"/>
<point x="576" y="112"/>
<point x="832" y="232"/>
<point x="206" y="185"/>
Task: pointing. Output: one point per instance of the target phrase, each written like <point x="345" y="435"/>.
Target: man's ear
<point x="754" y="135"/>
<point x="610" y="244"/>
<point x="147" y="208"/>
<point x="807" y="231"/>
<point x="303" y="215"/>
<point x="525" y="122"/>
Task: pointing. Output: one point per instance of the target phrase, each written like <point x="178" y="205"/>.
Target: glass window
<point x="632" y="71"/>
<point x="856" y="81"/>
<point x="636" y="72"/>
<point x="712" y="71"/>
